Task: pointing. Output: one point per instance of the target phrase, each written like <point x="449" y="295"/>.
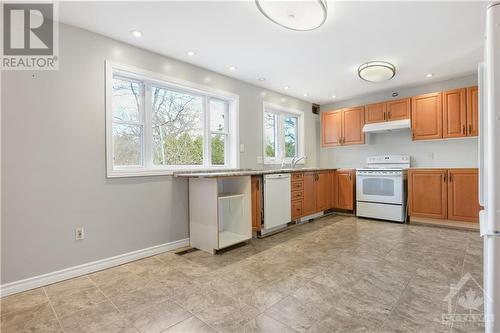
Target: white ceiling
<point x="444" y="38"/>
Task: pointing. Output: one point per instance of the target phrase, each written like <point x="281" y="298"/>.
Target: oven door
<point x="380" y="187"/>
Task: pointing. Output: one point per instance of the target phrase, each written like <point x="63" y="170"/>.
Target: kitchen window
<point x="283" y="134"/>
<point x="156" y="125"/>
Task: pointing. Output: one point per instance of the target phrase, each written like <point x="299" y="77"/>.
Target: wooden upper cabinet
<point x="309" y="196"/>
<point x="399" y="109"/>
<point x="323" y="191"/>
<point x="375" y="113"/>
<point x="454" y="113"/>
<point x="256" y="203"/>
<point x="353" y="121"/>
<point x="427" y="193"/>
<point x="344" y="189"/>
<point x="463" y="198"/>
<point x="331" y="128"/>
<point x="426" y="116"/>
<point x="472" y="111"/>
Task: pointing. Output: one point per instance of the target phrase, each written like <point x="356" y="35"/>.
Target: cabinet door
<point x="463" y="196"/>
<point x="427" y="116"/>
<point x="323" y="191"/>
<point x="400" y="109"/>
<point x="331" y="128"/>
<point x="344" y="189"/>
<point x="454" y="113"/>
<point x="427" y="193"/>
<point x="472" y="111"/>
<point x="353" y="120"/>
<point x="333" y="188"/>
<point x="309" y="199"/>
<point x="375" y="113"/>
<point x="256" y="208"/>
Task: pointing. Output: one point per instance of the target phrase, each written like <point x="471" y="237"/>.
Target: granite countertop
<point x="241" y="172"/>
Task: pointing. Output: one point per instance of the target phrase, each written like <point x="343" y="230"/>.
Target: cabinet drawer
<point x="296" y="209"/>
<point x="297" y="176"/>
<point x="297" y="195"/>
<point x="297" y="185"/>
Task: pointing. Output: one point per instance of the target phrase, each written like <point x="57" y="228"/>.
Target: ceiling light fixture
<point x="429" y="75"/>
<point x="232" y="68"/>
<point x="305" y="95"/>
<point x="295" y="15"/>
<point x="136" y="33"/>
<point x="376" y="71"/>
<point x="191" y="53"/>
<point x="286" y="87"/>
<point x="262" y="79"/>
<point x="333" y="96"/>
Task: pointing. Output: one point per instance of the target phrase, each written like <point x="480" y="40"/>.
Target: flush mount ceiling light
<point x="191" y="53"/>
<point x="376" y="71"/>
<point x="429" y="75"/>
<point x="232" y="68"/>
<point x="295" y="15"/>
<point x="262" y="79"/>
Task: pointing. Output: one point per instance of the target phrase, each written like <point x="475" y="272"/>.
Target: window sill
<point x="124" y="173"/>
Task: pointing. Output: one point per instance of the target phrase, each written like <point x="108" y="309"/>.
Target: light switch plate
<point x="242" y="148"/>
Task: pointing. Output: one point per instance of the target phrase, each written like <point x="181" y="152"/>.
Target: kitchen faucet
<point x="296" y="160"/>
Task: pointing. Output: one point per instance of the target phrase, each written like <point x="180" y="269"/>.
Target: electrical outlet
<point x="430" y="155"/>
<point x="242" y="148"/>
<point x="79" y="233"/>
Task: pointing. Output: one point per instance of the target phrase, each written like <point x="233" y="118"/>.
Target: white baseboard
<point x="71" y="272"/>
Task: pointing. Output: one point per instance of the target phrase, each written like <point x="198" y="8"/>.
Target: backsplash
<point x="435" y="153"/>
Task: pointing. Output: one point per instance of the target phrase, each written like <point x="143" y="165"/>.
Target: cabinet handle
<point x="384" y="115"/>
<point x="463" y="129"/>
<point x="444" y="178"/>
<point x="388" y="115"/>
<point x="470" y="128"/>
<point x="450" y="179"/>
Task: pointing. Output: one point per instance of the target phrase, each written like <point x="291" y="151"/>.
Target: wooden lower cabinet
<point x="427" y="193"/>
<point x="343" y="191"/>
<point x="447" y="194"/>
<point x="323" y="191"/>
<point x="309" y="201"/>
<point x="463" y="198"/>
<point x="256" y="203"/>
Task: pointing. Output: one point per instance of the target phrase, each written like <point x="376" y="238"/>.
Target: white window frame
<point x="282" y="112"/>
<point x="148" y="168"/>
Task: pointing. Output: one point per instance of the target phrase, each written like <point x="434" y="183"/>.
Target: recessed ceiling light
<point x="333" y="96"/>
<point x="136" y="33"/>
<point x="376" y="71"/>
<point x="262" y="79"/>
<point x="191" y="53"/>
<point x="295" y="15"/>
<point x="305" y="95"/>
<point x="286" y="87"/>
<point x="232" y="68"/>
<point x="429" y="75"/>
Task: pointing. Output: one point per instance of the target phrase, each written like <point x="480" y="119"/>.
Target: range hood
<point x="387" y="126"/>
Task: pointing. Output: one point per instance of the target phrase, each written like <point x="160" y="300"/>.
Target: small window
<point x="283" y="134"/>
<point x="156" y="124"/>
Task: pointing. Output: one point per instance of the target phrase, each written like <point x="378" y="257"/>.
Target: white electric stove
<point x="381" y="188"/>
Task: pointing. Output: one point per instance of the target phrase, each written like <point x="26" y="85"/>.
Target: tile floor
<point x="336" y="274"/>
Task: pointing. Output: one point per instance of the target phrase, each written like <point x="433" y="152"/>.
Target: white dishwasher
<point x="277" y="202"/>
